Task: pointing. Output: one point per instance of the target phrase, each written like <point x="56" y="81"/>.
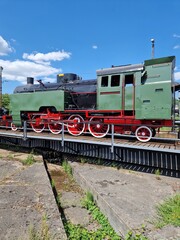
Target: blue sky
<point x="41" y="38"/>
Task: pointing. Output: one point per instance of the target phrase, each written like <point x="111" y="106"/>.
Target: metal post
<point x="112" y="138"/>
<point x="62" y="142"/>
<point x="24" y="130"/>
<point x="152" y="41"/>
<point x="1" y="86"/>
<point x="178" y="133"/>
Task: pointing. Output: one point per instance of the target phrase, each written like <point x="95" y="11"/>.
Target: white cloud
<point x="177" y="76"/>
<point x="94" y="47"/>
<point x="176" y="35"/>
<point x="47" y="57"/>
<point x="36" y="64"/>
<point x="176" y="47"/>
<point x="19" y="70"/>
<point x="5" y="48"/>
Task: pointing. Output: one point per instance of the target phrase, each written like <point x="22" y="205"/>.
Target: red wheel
<point x="97" y="128"/>
<point x="13" y="127"/>
<point x="143" y="134"/>
<point x="37" y="124"/>
<point x="77" y="126"/>
<point x="55" y="127"/>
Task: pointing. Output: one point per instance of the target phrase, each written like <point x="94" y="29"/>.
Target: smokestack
<point x="30" y="80"/>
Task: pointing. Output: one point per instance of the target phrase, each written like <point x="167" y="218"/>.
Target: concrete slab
<point x="127" y="198"/>
<point x="26" y="201"/>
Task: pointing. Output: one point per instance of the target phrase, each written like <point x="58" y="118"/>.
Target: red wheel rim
<point x="55" y="127"/>
<point x="143" y="134"/>
<point x="97" y="128"/>
<point x="77" y="126"/>
<point x="37" y="124"/>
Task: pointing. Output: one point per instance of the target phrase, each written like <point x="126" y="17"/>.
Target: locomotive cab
<point x="142" y="91"/>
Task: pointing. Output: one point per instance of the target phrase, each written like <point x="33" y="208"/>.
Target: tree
<point x="5" y="100"/>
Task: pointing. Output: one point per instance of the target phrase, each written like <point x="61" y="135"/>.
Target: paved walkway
<point x="128" y="198"/>
<point x="27" y="203"/>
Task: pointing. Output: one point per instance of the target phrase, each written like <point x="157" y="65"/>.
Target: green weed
<point x="58" y="199"/>
<point x="157" y="173"/>
<point x="67" y="168"/>
<point x="52" y="183"/>
<point x="88" y="199"/>
<point x="83" y="160"/>
<point x="169" y="212"/>
<point x="10" y="156"/>
<point x="136" y="236"/>
<point x="29" y="160"/>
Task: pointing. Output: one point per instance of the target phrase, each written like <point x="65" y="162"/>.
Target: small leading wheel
<point x="143" y="134"/>
<point x="54" y="126"/>
<point x="77" y="126"/>
<point x="97" y="128"/>
<point x="37" y="124"/>
<point x="13" y="127"/>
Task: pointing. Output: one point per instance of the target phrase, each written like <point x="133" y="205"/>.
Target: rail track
<point x="162" y="152"/>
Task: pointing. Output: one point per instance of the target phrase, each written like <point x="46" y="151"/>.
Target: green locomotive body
<point x="35" y="102"/>
<point x="140" y="97"/>
<point x="140" y="90"/>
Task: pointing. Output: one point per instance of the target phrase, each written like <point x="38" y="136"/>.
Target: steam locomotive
<point x="135" y="99"/>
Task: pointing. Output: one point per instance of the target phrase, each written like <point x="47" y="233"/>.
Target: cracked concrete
<point x="128" y="198"/>
<point x="26" y="198"/>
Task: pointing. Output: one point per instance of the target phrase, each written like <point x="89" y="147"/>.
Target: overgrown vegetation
<point x="29" y="160"/>
<point x="105" y="231"/>
<point x="77" y="232"/>
<point x="67" y="168"/>
<point x="169" y="212"/>
<point x="52" y="183"/>
<point x="157" y="173"/>
<point x="136" y="236"/>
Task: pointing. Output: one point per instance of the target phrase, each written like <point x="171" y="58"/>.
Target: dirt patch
<point x="70" y="198"/>
<point x="63" y="182"/>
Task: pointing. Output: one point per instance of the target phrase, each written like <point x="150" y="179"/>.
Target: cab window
<point x="104" y="81"/>
<point x="115" y="80"/>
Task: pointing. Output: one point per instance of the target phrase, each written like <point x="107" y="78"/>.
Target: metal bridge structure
<point x="158" y="154"/>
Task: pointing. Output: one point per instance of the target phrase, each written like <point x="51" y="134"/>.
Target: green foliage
<point x="10" y="157"/>
<point x="83" y="160"/>
<point x="169" y="212"/>
<point x="77" y="232"/>
<point x="88" y="199"/>
<point x="58" y="199"/>
<point x="157" y="172"/>
<point x="29" y="160"/>
<point x="136" y="236"/>
<point x="52" y="183"/>
<point x="104" y="232"/>
<point x="67" y="168"/>
<point x="5" y="100"/>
